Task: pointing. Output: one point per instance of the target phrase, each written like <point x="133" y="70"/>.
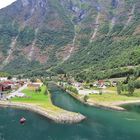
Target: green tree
<point x="33" y="79"/>
<point x="119" y="88"/>
<point x="9" y="77"/>
<point x="137" y="84"/>
<point x="131" y="87"/>
<point x="46" y="91"/>
<point x="19" y="77"/>
<point x="85" y="98"/>
<point x="45" y="82"/>
<point x="136" y="74"/>
<point x="72" y="89"/>
<point x="127" y="79"/>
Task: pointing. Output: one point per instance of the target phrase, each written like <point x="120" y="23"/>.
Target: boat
<point x="22" y="120"/>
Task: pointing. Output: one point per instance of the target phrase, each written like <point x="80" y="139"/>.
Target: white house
<point x="3" y="78"/>
<point x="14" y="79"/>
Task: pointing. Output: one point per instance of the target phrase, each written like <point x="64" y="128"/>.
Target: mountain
<point x="82" y="37"/>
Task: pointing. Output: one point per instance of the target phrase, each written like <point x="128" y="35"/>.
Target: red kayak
<point x="22" y="120"/>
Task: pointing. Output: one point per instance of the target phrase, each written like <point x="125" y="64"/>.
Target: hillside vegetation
<point x="86" y="38"/>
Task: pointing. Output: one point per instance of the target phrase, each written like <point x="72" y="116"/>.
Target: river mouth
<point x="99" y="125"/>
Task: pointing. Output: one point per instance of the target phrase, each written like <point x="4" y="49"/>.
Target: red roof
<point x="34" y="85"/>
<point x="7" y="83"/>
<point x="4" y="87"/>
<point x="101" y="81"/>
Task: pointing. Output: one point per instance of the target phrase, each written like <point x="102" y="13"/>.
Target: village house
<point x="9" y="83"/>
<point x="4" y="87"/>
<point x="34" y="86"/>
<point x="114" y="83"/>
<point x="3" y="78"/>
<point x="77" y="85"/>
<point x="101" y="84"/>
<point x="14" y="79"/>
<point x="20" y="83"/>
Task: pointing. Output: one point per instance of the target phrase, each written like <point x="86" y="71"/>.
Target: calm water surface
<point x="99" y="125"/>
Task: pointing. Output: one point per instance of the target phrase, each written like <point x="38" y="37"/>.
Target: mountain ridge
<point x="73" y="35"/>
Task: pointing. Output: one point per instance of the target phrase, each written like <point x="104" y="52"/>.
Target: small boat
<point x="22" y="120"/>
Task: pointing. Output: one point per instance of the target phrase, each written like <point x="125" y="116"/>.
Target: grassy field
<point x="111" y="98"/>
<point x="112" y="89"/>
<point x="41" y="98"/>
<point x="33" y="97"/>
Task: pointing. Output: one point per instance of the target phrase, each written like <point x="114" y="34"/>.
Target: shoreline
<point x="62" y="117"/>
<point x="110" y="106"/>
<point x="115" y="106"/>
<point x="103" y="106"/>
<point x="99" y="105"/>
<point x="126" y="102"/>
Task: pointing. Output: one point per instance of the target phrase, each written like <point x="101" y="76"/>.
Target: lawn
<point x="111" y="98"/>
<point x="112" y="89"/>
<point x="33" y="97"/>
<point x="37" y="98"/>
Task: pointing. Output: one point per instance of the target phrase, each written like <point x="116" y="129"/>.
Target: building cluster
<point x="8" y="85"/>
<point x="10" y="88"/>
<point x="103" y="84"/>
<point x="11" y="84"/>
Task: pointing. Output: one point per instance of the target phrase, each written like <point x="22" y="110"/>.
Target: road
<point x="18" y="92"/>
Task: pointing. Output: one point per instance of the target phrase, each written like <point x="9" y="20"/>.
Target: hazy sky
<point x="4" y="3"/>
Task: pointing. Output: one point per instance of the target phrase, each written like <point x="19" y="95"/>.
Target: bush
<point x="85" y="98"/>
<point x="72" y="89"/>
<point x="131" y="87"/>
<point x="137" y="84"/>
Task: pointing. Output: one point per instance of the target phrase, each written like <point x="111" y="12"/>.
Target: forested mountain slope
<point x="78" y="36"/>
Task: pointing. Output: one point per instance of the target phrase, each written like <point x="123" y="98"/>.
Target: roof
<point x="7" y="83"/>
<point x="4" y="85"/>
<point x="101" y="81"/>
<point x="34" y="85"/>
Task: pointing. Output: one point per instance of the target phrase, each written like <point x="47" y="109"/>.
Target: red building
<point x="101" y="83"/>
<point x="4" y="87"/>
<point x="8" y="83"/>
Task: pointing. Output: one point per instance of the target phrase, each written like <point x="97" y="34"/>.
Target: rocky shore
<point x="60" y="116"/>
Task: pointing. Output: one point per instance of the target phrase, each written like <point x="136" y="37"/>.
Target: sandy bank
<point x="125" y="102"/>
<point x="115" y="105"/>
<point x="60" y="116"/>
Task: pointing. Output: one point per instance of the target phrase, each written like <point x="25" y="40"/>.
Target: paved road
<point x="17" y="92"/>
<point x="87" y="91"/>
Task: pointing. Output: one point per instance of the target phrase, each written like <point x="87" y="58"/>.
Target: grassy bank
<point x="110" y="95"/>
<point x="111" y="98"/>
<point x="40" y="98"/>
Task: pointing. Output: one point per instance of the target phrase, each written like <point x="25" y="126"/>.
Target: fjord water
<point x="99" y="125"/>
